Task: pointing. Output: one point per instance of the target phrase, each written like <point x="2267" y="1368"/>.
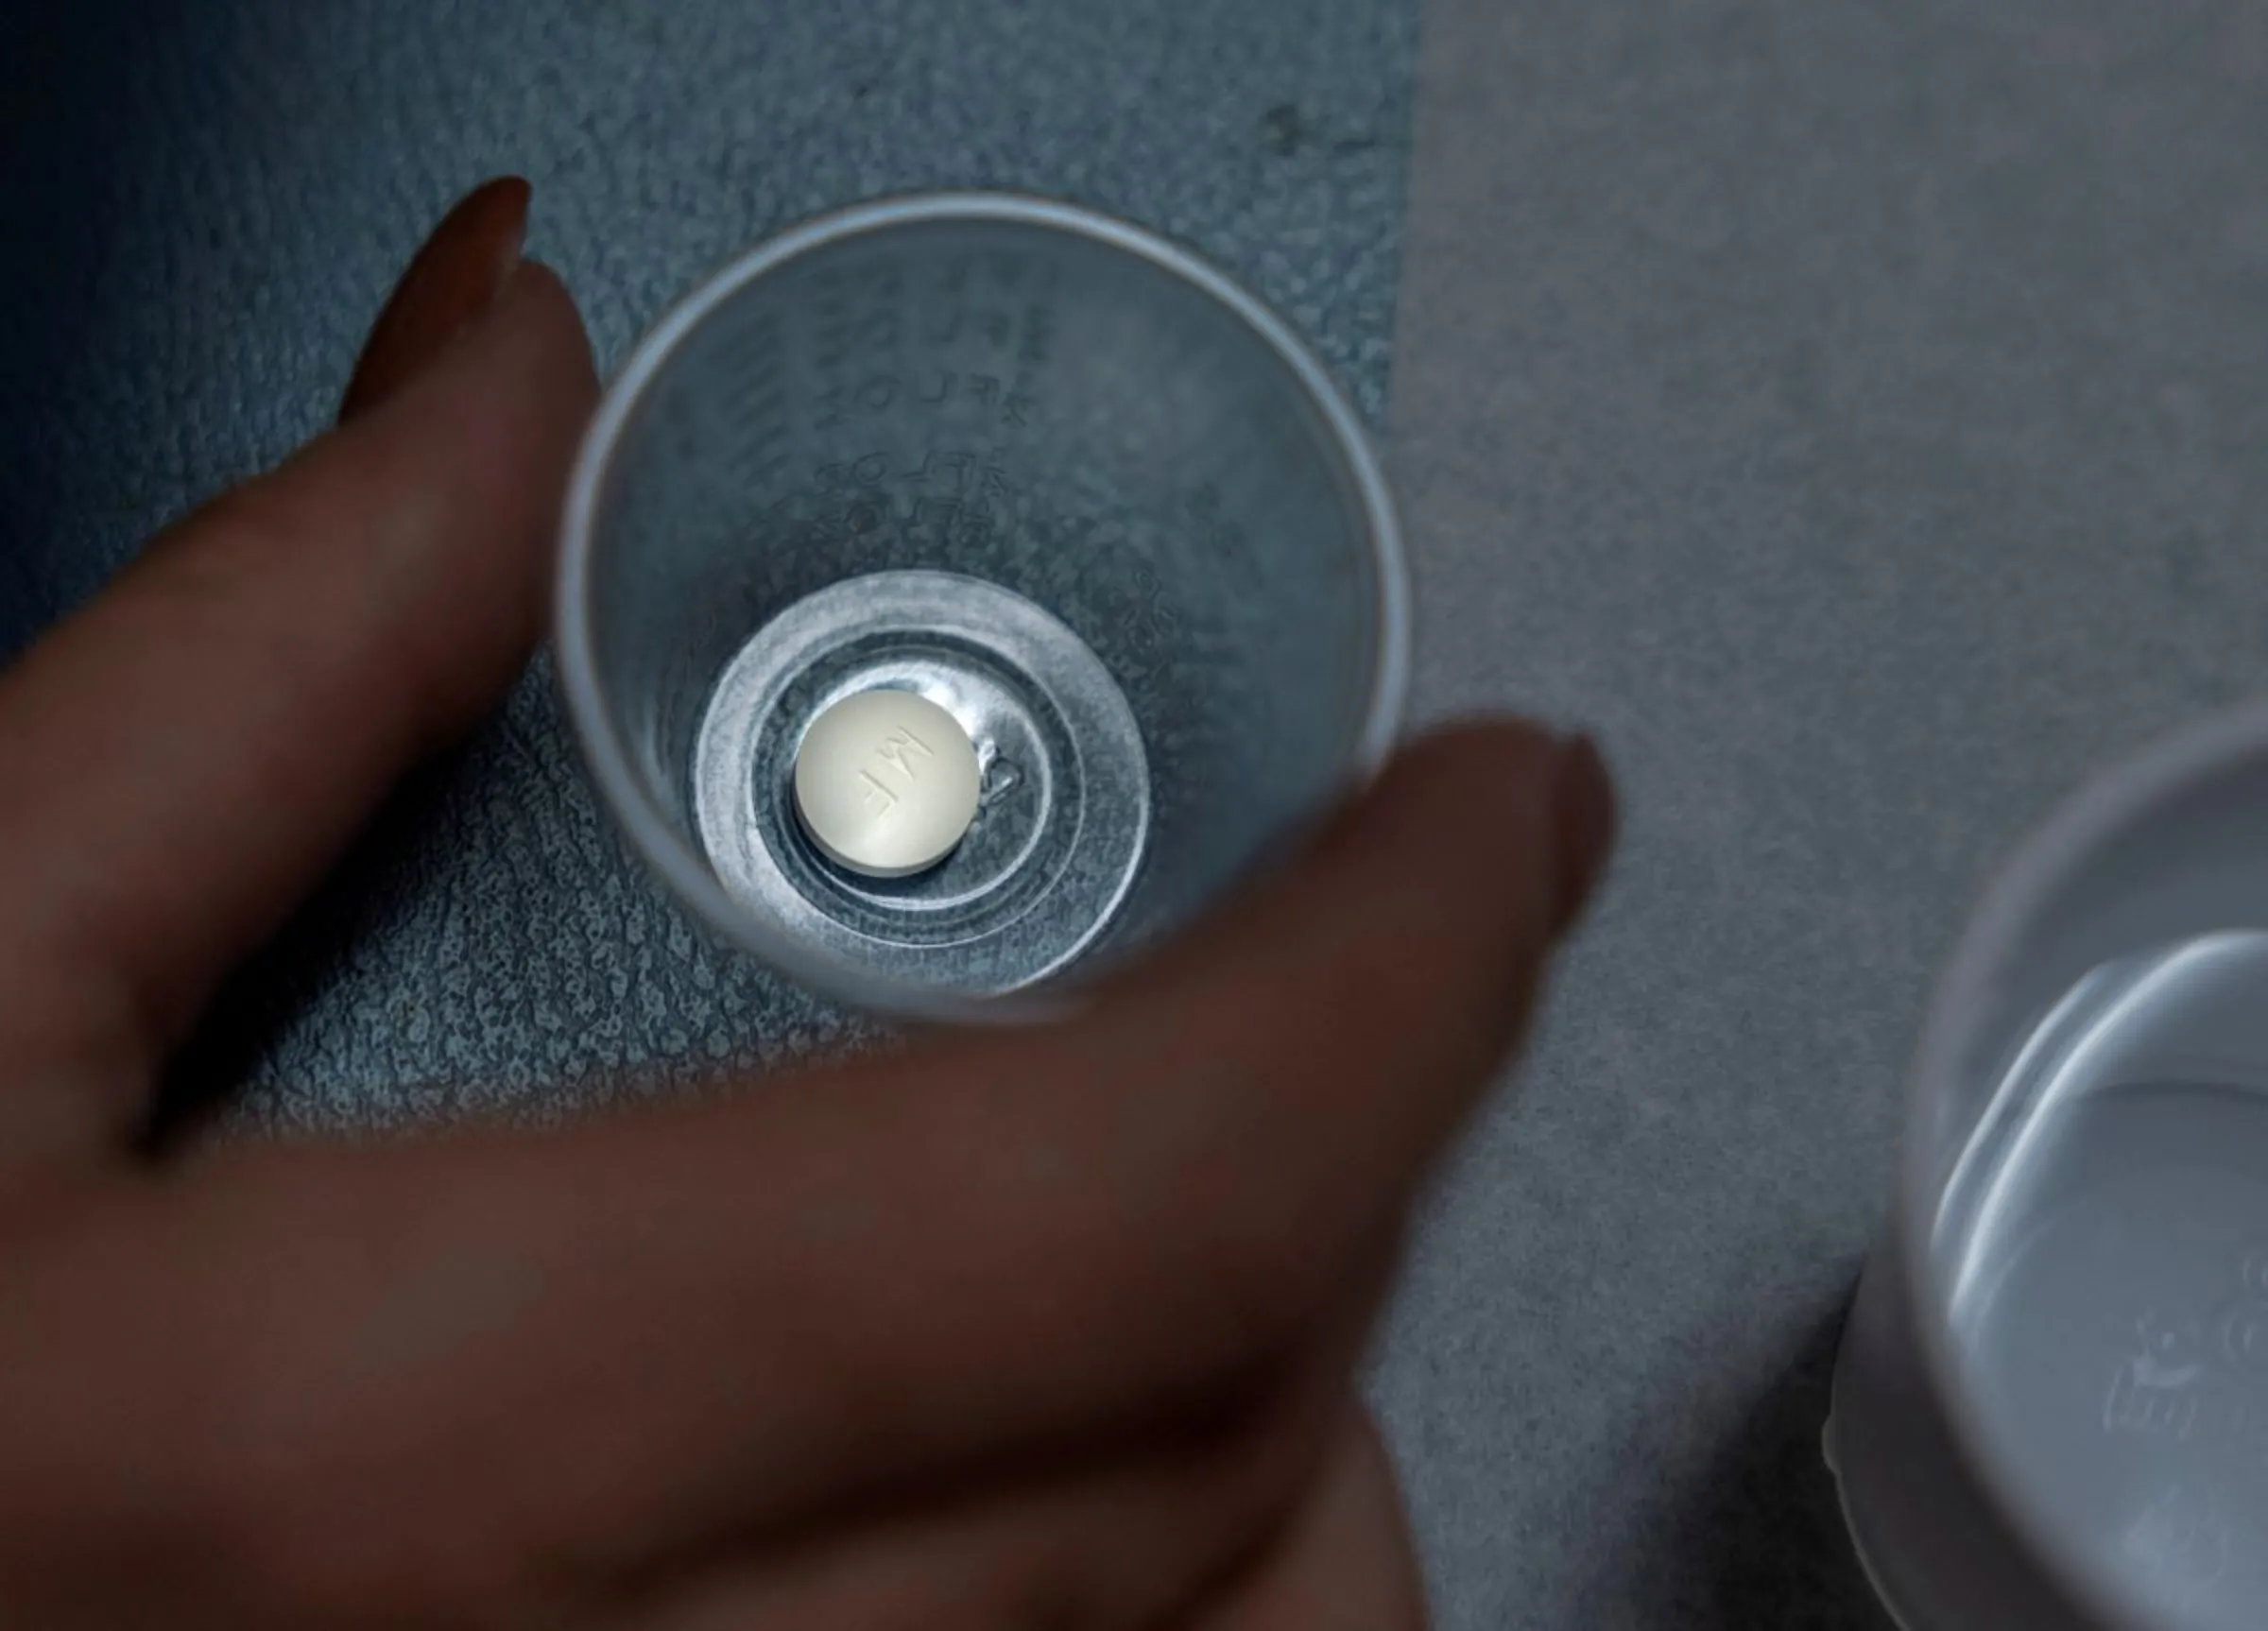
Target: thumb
<point x="907" y="1269"/>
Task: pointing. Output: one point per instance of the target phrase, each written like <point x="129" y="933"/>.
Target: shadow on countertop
<point x="1758" y="1544"/>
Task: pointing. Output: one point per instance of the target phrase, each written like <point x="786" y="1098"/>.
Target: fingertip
<point x="504" y="404"/>
<point x="539" y="298"/>
<point x="456" y="481"/>
<point x="1588" y="819"/>
<point x="457" y="275"/>
<point x="1473" y="768"/>
<point x="509" y="403"/>
<point x="1404" y="948"/>
<point x="1503" y="801"/>
<point x="530" y="347"/>
<point x="1464" y="811"/>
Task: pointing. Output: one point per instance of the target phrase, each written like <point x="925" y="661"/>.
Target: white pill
<point x="886" y="783"/>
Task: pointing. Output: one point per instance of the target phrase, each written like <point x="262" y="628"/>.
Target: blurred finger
<point x="858" y="1281"/>
<point x="1100" y="1536"/>
<point x="1343" y="1563"/>
<point x="1112" y="1548"/>
<point x="182" y="760"/>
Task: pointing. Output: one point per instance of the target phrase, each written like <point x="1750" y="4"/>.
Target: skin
<point x="1051" y="1329"/>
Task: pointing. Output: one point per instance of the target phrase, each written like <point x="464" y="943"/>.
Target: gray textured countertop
<point x="1858" y="415"/>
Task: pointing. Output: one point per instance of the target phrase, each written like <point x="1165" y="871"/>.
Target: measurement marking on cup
<point x="1010" y="403"/>
<point x="2195" y="1382"/>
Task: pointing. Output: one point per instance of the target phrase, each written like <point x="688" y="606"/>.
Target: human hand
<point x="1052" y="1328"/>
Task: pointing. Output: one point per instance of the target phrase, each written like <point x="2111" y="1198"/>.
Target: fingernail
<point x="1584" y="821"/>
<point x="455" y="277"/>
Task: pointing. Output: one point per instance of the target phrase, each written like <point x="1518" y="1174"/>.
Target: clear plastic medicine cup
<point x="2052" y="1400"/>
<point x="1051" y="475"/>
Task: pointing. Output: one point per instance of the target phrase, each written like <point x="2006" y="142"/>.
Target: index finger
<point x="182" y="760"/>
<point x="756" y="1308"/>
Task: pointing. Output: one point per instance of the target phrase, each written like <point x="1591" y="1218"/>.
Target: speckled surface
<point x="223" y="194"/>
<point x="1858" y="415"/>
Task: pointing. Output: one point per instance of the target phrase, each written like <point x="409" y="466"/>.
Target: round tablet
<point x="886" y="783"/>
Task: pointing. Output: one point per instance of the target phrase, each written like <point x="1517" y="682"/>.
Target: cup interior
<point x="1037" y="399"/>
